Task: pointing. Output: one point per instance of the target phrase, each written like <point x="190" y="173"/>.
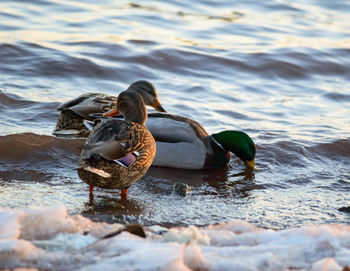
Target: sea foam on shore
<point x="49" y="238"/>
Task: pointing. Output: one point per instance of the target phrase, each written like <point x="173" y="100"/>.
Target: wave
<point x="30" y="59"/>
<point x="31" y="149"/>
<point x="9" y="100"/>
<point x="334" y="150"/>
<point x="301" y="155"/>
<point x="21" y="115"/>
<point x="37" y="60"/>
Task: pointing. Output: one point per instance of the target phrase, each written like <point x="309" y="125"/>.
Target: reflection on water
<point x="277" y="70"/>
<point x="112" y="209"/>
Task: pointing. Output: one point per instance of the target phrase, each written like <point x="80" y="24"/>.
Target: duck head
<point x="131" y="105"/>
<point x="148" y="93"/>
<point x="238" y="143"/>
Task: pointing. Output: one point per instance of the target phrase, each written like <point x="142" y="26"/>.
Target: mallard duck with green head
<point x="184" y="143"/>
<point x="118" y="152"/>
<point x="74" y="112"/>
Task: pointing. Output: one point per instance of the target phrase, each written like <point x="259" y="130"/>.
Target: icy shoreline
<point x="49" y="238"/>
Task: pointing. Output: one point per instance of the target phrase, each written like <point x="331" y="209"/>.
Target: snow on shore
<point x="49" y="238"/>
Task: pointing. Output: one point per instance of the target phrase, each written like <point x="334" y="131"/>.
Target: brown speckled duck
<point x="118" y="152"/>
<point x="73" y="112"/>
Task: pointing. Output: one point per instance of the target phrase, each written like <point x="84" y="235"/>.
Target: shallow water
<point x="278" y="71"/>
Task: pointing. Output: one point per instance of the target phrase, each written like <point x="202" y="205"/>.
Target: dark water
<point x="278" y="70"/>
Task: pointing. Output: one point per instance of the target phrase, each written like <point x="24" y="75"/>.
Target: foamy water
<point x="63" y="242"/>
<point x="277" y="70"/>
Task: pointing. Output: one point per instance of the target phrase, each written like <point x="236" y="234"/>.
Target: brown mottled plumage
<point x="71" y="119"/>
<point x="119" y="152"/>
<point x="73" y="112"/>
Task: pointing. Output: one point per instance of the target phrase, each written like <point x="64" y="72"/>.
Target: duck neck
<point x="140" y="116"/>
<point x="217" y="156"/>
<point x="131" y="106"/>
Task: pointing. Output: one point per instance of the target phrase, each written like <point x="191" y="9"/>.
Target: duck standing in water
<point x="73" y="112"/>
<point x="118" y="152"/>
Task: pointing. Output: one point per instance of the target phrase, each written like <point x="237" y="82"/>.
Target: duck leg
<point x="91" y="194"/>
<point x="124" y="193"/>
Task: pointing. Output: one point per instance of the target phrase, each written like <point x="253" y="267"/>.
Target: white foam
<point x="51" y="239"/>
<point x="9" y="228"/>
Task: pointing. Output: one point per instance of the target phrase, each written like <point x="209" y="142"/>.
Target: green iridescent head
<point x="238" y="143"/>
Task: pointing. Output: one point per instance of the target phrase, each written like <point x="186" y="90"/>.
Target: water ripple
<point x="277" y="70"/>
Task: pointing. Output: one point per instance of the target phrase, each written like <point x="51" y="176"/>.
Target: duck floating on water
<point x="184" y="143"/>
<point x="118" y="152"/>
<point x="73" y="112"/>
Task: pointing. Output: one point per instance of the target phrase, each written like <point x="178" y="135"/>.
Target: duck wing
<point x="109" y="139"/>
<point x="174" y="129"/>
<point x="89" y="103"/>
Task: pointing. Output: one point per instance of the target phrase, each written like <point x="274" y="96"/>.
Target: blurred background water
<point x="278" y="70"/>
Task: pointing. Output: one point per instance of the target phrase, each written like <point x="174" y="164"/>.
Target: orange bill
<point x="157" y="106"/>
<point x="250" y="164"/>
<point x="113" y="112"/>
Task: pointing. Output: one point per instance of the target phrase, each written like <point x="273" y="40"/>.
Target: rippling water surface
<point x="278" y="70"/>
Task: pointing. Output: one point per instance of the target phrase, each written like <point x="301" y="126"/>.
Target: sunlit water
<point x="277" y="70"/>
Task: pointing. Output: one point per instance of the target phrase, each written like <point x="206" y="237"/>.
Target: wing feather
<point x="107" y="139"/>
<point x="89" y="103"/>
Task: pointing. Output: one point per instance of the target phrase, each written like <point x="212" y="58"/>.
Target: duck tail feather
<point x="89" y="124"/>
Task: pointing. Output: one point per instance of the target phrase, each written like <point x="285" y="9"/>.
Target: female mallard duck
<point x="184" y="143"/>
<point x="118" y="152"/>
<point x="73" y="112"/>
